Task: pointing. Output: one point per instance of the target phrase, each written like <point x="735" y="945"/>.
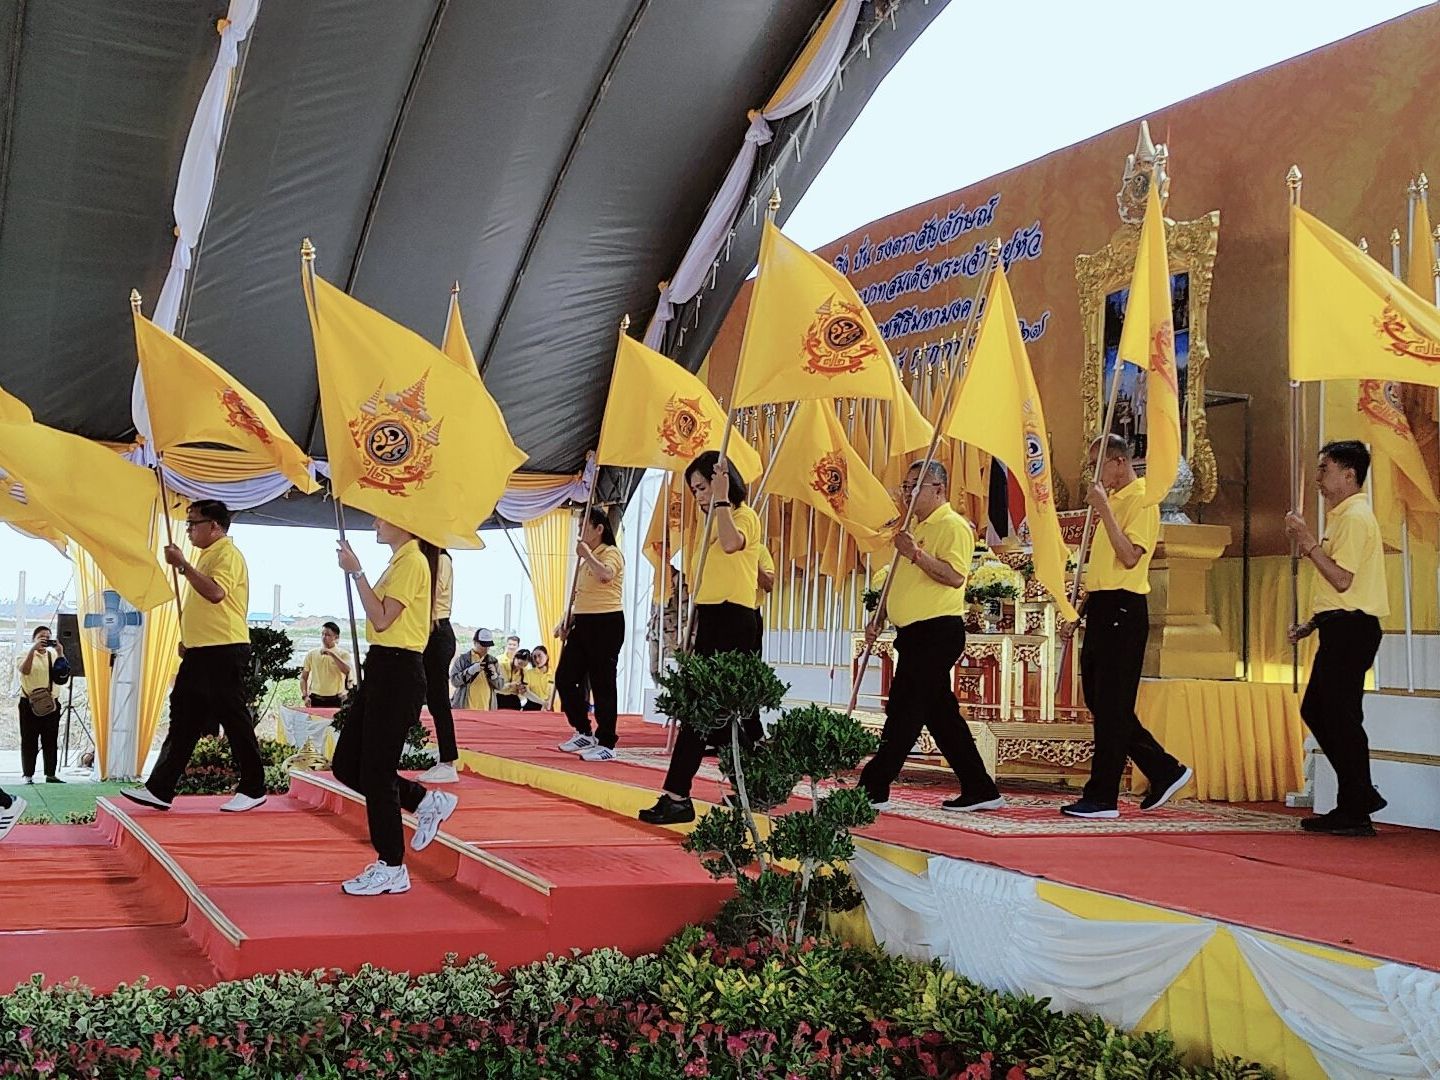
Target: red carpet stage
<point x="544" y="855"/>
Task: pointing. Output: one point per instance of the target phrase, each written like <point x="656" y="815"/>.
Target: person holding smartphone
<point x="42" y="669"/>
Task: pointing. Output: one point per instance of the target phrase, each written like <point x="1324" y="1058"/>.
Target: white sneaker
<point x="883" y="804"/>
<point x="578" y="742"/>
<point x="377" y="878"/>
<point x="144" y="797"/>
<point x="598" y="753"/>
<point x="240" y="803"/>
<point x="11" y="815"/>
<point x="443" y="773"/>
<point x="430" y="815"/>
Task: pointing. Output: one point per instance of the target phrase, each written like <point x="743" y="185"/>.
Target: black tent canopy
<point x="555" y="157"/>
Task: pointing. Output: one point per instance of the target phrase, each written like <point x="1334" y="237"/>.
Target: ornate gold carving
<point x="1191" y="248"/>
<point x="1065" y="753"/>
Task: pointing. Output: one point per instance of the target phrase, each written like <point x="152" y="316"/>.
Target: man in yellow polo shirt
<point x="1117" y="624"/>
<point x="1349" y="600"/>
<point x="325" y="675"/>
<point x="926" y="603"/>
<point x="214" y="660"/>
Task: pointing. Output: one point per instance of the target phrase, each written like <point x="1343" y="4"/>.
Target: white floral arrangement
<point x="993" y="581"/>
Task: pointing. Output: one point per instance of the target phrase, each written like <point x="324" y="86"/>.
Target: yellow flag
<point x="1402" y="485"/>
<point x="191" y="399"/>
<point x="14" y="507"/>
<point x="808" y="336"/>
<point x="1350" y="318"/>
<point x="998" y="409"/>
<point x="94" y="496"/>
<point x="659" y="416"/>
<point x="457" y="347"/>
<point x="1148" y="342"/>
<point x="817" y="465"/>
<point x="402" y="427"/>
<point x="1420" y="272"/>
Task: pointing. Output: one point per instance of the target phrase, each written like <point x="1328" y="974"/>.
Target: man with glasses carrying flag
<point x="214" y="660"/>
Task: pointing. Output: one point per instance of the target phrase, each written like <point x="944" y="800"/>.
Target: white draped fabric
<point x="1358" y="1022"/>
<point x="196" y="183"/>
<point x="991" y="926"/>
<point x="714" y="230"/>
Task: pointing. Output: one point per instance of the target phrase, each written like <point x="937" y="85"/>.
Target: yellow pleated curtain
<point x="550" y="545"/>
<point x="160" y="641"/>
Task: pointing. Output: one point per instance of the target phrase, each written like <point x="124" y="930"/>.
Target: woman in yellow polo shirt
<point x="725" y="613"/>
<point x="387" y="705"/>
<point x="593" y="640"/>
<point x="539" y="680"/>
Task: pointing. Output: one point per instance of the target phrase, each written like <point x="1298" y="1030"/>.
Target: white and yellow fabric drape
<point x="550" y="545"/>
<point x="1307" y="1011"/>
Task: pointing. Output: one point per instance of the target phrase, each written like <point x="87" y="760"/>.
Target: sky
<point x="1010" y="82"/>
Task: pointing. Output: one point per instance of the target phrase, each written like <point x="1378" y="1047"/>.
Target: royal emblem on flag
<point x="684" y="429"/>
<point x="1402" y="339"/>
<point x="1037" y="468"/>
<point x="836" y="342"/>
<point x="1162" y="354"/>
<point x="1380" y="401"/>
<point x="240" y="416"/>
<point x="829" y="478"/>
<point x="396" y="439"/>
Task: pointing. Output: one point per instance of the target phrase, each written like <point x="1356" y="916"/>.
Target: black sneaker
<point x="962" y="804"/>
<point x="1377" y="802"/>
<point x="53" y="780"/>
<point x="1336" y="823"/>
<point x="668" y="811"/>
<point x="1159" y="795"/>
<point x="1087" y="809"/>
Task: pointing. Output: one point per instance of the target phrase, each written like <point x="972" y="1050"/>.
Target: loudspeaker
<point x="67" y="632"/>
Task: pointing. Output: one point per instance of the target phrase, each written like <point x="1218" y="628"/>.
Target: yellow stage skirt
<point x="1244" y="740"/>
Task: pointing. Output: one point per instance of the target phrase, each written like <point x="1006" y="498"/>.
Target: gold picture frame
<point x="1191" y="247"/>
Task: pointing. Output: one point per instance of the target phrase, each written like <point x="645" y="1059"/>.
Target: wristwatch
<point x="355" y="575"/>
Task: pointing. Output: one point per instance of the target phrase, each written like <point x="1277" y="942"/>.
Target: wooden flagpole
<point x="962" y="367"/>
<point x="307" y="278"/>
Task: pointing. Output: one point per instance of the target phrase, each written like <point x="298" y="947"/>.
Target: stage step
<point x="1404" y="734"/>
<point x="264" y="890"/>
<point x="76" y="905"/>
<point x="1390" y="663"/>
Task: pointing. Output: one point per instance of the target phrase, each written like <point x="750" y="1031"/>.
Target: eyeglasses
<point x="909" y="488"/>
<point x="195" y="524"/>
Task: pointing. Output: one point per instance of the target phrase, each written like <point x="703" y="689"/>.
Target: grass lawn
<point x="54" y="802"/>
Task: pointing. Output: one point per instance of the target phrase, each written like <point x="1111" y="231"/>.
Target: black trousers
<point x="326" y="701"/>
<point x="718" y="628"/>
<point x="922" y="696"/>
<point x="507" y="701"/>
<point x="1333" y="706"/>
<point x="1117" y="625"/>
<point x="209" y="696"/>
<point x="590" y="654"/>
<point x="439" y="651"/>
<point x="37" y="732"/>
<point x="367" y="754"/>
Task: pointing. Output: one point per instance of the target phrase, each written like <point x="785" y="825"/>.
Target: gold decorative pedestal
<point x="1184" y="641"/>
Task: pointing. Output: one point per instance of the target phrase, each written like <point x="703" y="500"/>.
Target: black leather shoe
<point x="668" y="811"/>
<point x="1337" y="824"/>
<point x="53" y="780"/>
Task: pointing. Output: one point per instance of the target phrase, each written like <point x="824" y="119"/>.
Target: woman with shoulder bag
<point x="42" y="669"/>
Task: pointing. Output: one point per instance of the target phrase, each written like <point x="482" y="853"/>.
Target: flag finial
<point x="1395" y="235"/>
<point x="1292" y="178"/>
<point x="455" y="289"/>
<point x="774" y="204"/>
<point x="625" y="322"/>
<point x="1363" y="245"/>
<point x="307" y="250"/>
<point x="134" y="299"/>
<point x="1422" y="185"/>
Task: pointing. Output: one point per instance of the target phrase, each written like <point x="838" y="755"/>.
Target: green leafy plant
<point x="871" y="599"/>
<point x="271" y="652"/>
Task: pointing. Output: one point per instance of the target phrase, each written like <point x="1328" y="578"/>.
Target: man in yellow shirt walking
<point x="214" y="660"/>
<point x="1117" y="625"/>
<point x="1349" y="601"/>
<point x="926" y="603"/>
